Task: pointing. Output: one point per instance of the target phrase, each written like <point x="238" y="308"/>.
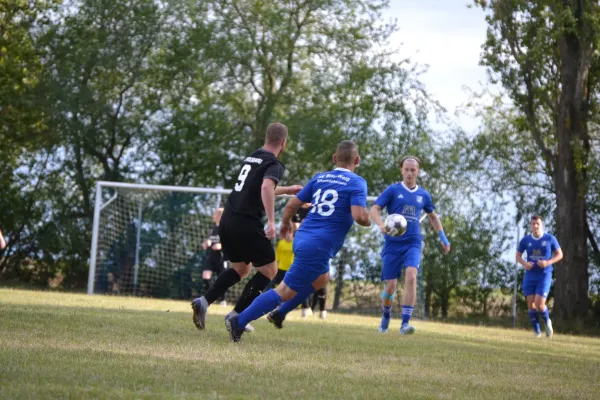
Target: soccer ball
<point x="395" y="225"/>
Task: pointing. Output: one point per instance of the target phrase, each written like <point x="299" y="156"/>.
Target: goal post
<point x="147" y="241"/>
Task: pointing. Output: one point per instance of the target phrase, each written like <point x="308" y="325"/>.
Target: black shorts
<point x="243" y="239"/>
<point x="279" y="277"/>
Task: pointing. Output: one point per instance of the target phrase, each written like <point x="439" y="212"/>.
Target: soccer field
<point x="55" y="345"/>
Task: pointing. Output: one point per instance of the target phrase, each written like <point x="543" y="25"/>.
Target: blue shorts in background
<point x="396" y="259"/>
<point x="539" y="285"/>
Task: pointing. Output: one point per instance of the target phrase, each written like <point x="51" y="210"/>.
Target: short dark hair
<point x="537" y="218"/>
<point x="276" y="133"/>
<point x="405" y="158"/>
<point x="346" y="151"/>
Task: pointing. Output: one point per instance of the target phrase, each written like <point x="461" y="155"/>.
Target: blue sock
<point x="533" y="317"/>
<point x="295" y="301"/>
<point x="387" y="311"/>
<point x="406" y="314"/>
<point x="545" y="315"/>
<point x="264" y="303"/>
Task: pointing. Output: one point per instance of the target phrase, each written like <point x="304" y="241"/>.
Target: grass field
<point x="55" y="345"/>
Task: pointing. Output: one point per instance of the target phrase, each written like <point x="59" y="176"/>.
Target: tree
<point x="545" y="55"/>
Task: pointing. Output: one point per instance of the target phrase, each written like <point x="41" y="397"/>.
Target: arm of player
<point x="294" y="189"/>
<point x="556" y="257"/>
<point x="287" y="227"/>
<point x="525" y="264"/>
<point x="437" y="225"/>
<point x="361" y="215"/>
<point x="375" y="213"/>
<point x="267" y="192"/>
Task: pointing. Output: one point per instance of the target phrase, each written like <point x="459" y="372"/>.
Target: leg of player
<point x="540" y="305"/>
<point x="533" y="315"/>
<point x="278" y="316"/>
<point x="206" y="275"/>
<point x="409" y="299"/>
<point x="227" y="279"/>
<point x="322" y="296"/>
<point x="306" y="310"/>
<point x="264" y="303"/>
<point x="256" y="285"/>
<point x="387" y="297"/>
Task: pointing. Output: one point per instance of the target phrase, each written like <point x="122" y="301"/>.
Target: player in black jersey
<point x="243" y="236"/>
<point x="216" y="259"/>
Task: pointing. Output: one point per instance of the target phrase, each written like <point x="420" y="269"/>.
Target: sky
<point x="447" y="36"/>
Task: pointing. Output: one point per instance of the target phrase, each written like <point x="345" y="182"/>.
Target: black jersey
<point x="215" y="255"/>
<point x="245" y="198"/>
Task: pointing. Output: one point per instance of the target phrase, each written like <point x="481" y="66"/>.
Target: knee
<point x="242" y="269"/>
<point x="270" y="271"/>
<point x="410" y="279"/>
<point x="390" y="287"/>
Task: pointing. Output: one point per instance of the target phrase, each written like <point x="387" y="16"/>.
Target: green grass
<point x="68" y="346"/>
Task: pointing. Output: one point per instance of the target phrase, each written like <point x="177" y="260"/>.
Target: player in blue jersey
<point x="404" y="252"/>
<point x="542" y="250"/>
<point x="338" y="198"/>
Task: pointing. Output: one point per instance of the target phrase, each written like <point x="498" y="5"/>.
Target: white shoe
<point x="407" y="330"/>
<point x="537" y="334"/>
<point x="323" y="314"/>
<point x="249" y="328"/>
<point x="306" y="312"/>
<point x="549" y="330"/>
<point x="223" y="303"/>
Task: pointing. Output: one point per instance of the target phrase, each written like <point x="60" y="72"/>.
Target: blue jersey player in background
<point x="338" y="198"/>
<point x="404" y="252"/>
<point x="542" y="250"/>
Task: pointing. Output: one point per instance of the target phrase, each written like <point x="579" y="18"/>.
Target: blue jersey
<point x="332" y="195"/>
<point x="398" y="199"/>
<point x="537" y="249"/>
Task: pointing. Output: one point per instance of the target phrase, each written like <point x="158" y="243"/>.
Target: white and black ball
<point x="395" y="225"/>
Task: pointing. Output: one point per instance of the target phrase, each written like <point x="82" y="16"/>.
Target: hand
<point x="528" y="266"/>
<point x="543" y="263"/>
<point x="382" y="229"/>
<point x="205" y="245"/>
<point x="270" y="231"/>
<point x="286" y="230"/>
<point x="294" y="189"/>
<point x="446" y="248"/>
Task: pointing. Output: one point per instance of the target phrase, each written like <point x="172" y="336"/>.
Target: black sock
<point x="306" y="303"/>
<point x="226" y="280"/>
<point x="206" y="286"/>
<point x="253" y="289"/>
<point x="322" y="294"/>
<point x="313" y="303"/>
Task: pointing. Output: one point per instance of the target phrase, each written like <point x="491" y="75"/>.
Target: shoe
<point x="306" y="312"/>
<point x="199" y="306"/>
<point x="249" y="328"/>
<point x="323" y="314"/>
<point x="549" y="330"/>
<point x="223" y="303"/>
<point x="383" y="326"/>
<point x="276" y="319"/>
<point x="235" y="332"/>
<point x="407" y="329"/>
<point x="537" y="334"/>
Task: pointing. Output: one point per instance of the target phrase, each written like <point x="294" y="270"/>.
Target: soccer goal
<point x="147" y="241"/>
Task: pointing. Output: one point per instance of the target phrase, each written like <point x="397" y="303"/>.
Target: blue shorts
<point x="539" y="285"/>
<point x="395" y="260"/>
<point x="309" y="264"/>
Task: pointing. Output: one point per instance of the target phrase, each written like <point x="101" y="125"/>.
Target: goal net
<point x="147" y="241"/>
